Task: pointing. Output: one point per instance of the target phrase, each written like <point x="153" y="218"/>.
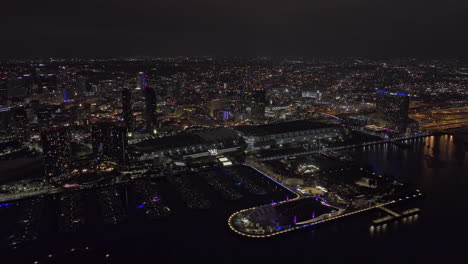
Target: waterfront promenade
<point x="384" y="141"/>
<point x="339" y="213"/>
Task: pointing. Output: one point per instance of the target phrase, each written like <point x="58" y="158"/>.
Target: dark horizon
<point x="387" y="59"/>
<point x="338" y="28"/>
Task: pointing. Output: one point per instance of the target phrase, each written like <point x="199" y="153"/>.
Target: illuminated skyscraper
<point x="392" y="108"/>
<point x="258" y="104"/>
<point x="56" y="145"/>
<point x="67" y="82"/>
<point x="242" y="103"/>
<point x="3" y="88"/>
<point x="214" y="106"/>
<point x="244" y="98"/>
<point x="127" y="111"/>
<point x="151" y="105"/>
<point x="46" y="81"/>
<point x="110" y="142"/>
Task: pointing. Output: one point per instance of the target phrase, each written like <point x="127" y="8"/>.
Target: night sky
<point x="426" y="28"/>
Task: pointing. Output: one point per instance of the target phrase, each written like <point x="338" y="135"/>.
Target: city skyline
<point x="222" y="131"/>
<point x="112" y="160"/>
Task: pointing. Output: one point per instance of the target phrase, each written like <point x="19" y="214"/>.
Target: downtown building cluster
<point x="75" y="112"/>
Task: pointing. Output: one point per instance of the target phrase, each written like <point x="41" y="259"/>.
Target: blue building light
<point x="65" y="95"/>
<point x="388" y="92"/>
<point x="226" y="115"/>
<point x="143" y="81"/>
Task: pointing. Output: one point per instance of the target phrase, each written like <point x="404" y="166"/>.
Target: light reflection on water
<point x="424" y="159"/>
<point x="392" y="226"/>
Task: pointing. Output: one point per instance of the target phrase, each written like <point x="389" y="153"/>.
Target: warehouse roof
<point x="279" y="128"/>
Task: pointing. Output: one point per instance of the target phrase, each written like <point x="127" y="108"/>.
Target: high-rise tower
<point x="56" y="145"/>
<point x="392" y="108"/>
<point x="110" y="142"/>
<point x="258" y="104"/>
<point x="151" y="105"/>
<point x="127" y="111"/>
<point x="3" y="88"/>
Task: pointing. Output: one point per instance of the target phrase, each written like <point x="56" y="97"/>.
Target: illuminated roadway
<point x="442" y="119"/>
<point x="343" y="147"/>
<point x="23" y="195"/>
<point x="51" y="190"/>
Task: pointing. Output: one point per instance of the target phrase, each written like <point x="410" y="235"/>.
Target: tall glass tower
<point x="127" y="111"/>
<point x="151" y="105"/>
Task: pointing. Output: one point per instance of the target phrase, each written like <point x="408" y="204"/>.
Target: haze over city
<point x="234" y="28"/>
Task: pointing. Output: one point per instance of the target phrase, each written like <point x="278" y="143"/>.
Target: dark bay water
<point x="437" y="165"/>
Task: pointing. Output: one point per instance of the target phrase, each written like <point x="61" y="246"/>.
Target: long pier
<point x="305" y="224"/>
<point x="321" y="219"/>
<point x="390" y="211"/>
<point x="393" y="215"/>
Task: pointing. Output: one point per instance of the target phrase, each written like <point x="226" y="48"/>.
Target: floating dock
<point x="394" y="215"/>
